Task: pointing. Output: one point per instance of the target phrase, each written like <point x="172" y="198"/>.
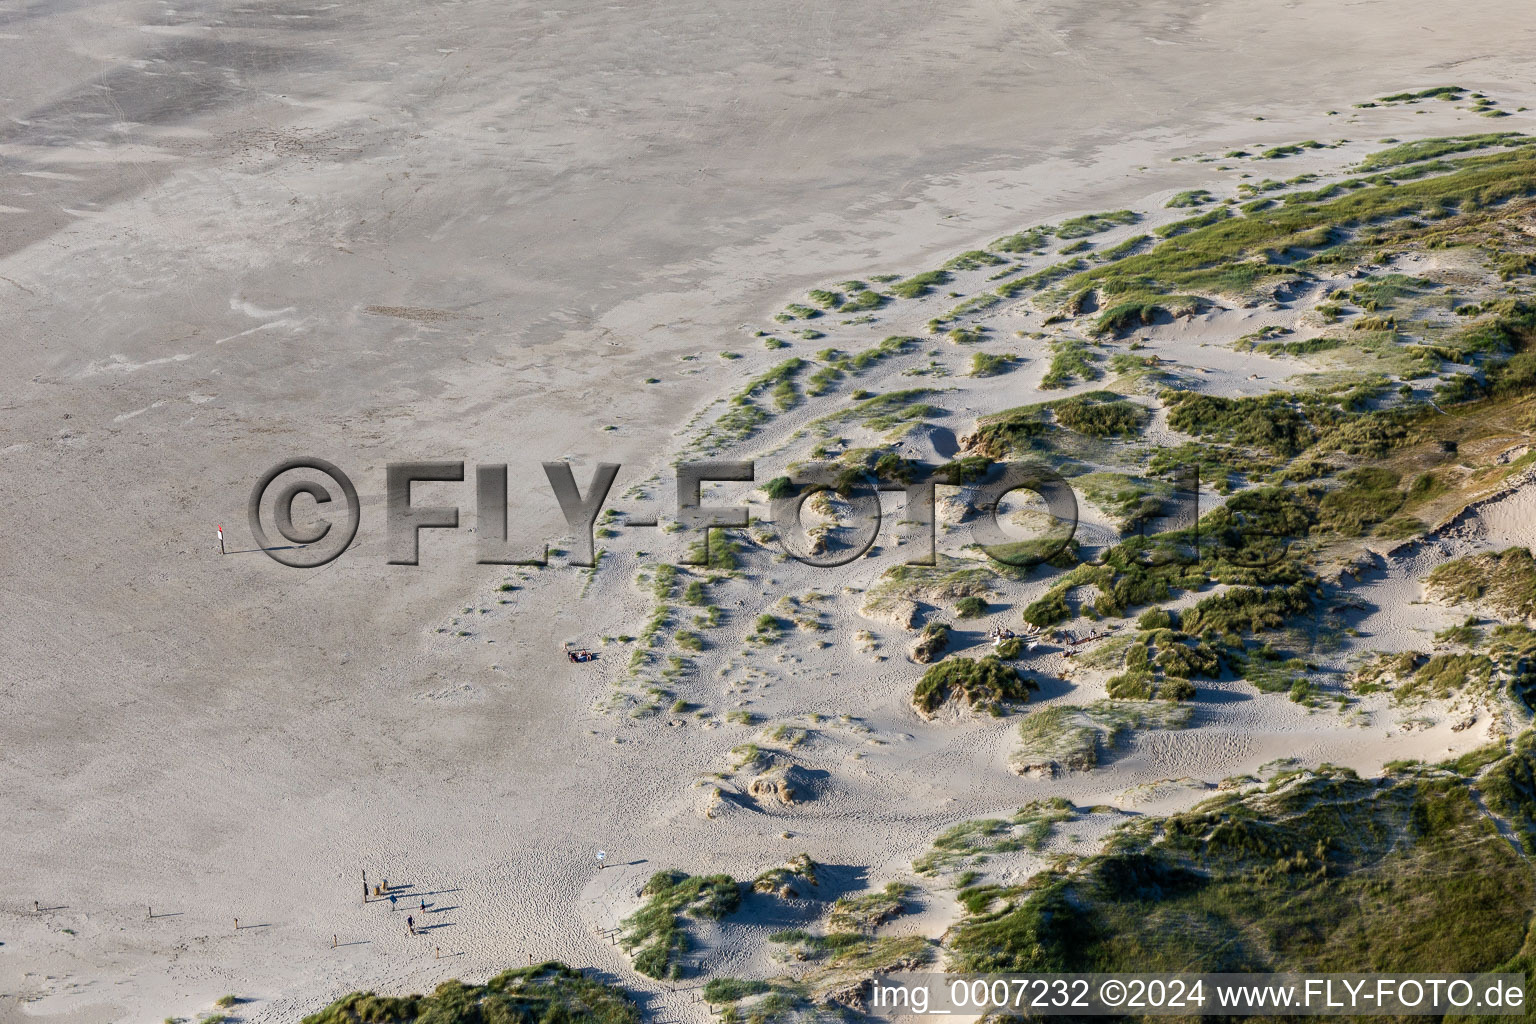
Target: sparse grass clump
<point x="744" y="413"/>
<point x="970" y="607"/>
<point x="766" y="629"/>
<point x="1041" y="278"/>
<point x="1033" y="240"/>
<point x="1064" y="737"/>
<point x="1009" y="432"/>
<point x="1439" y="92"/>
<point x="1192" y="197"/>
<point x="919" y="285"/>
<point x="862" y="301"/>
<point x="974" y="841"/>
<point x="779" y="487"/>
<point x="1094" y="223"/>
<point x="975" y="259"/>
<point x="1071" y="358"/>
<point x="1202" y="220"/>
<point x="984" y="364"/>
<point x="731" y="990"/>
<point x="1122" y="249"/>
<point x="788" y="879"/>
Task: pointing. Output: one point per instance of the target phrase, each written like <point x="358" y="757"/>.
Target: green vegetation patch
<point x="1071" y="359"/>
<point x="1040" y="278"/>
<point x="1100" y="414"/>
<point x="540" y="994"/>
<point x="1202" y="220"/>
<point x="1248" y="609"/>
<point x="868" y="911"/>
<point x="790" y="878"/>
<point x="1229" y="255"/>
<point x="1123" y="249"/>
<point x="1368" y="495"/>
<point x="1033" y="240"/>
<point x="1131" y="501"/>
<point x="1028" y="829"/>
<point x="985" y="364"/>
<point x="745" y="413"/>
<point x="1067" y="738"/>
<point x="1240" y="543"/>
<point x="919" y="285"/>
<point x="655" y="933"/>
<point x="987" y="682"/>
<point x="1220" y="466"/>
<point x="1192" y="197"/>
<point x="1430" y="149"/>
<point x="1504" y="582"/>
<point x="1134" y="313"/>
<point x="883" y="412"/>
<point x="1321" y="872"/>
<point x="1095" y="223"/>
<point x="974" y="259"/>
<point x="1271" y="422"/>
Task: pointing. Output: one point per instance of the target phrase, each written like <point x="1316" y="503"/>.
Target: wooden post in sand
<point x="237" y="924"/>
<point x="333" y="942"/>
<point x="438" y="951"/>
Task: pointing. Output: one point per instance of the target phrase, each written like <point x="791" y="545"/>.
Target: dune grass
<point x="1228" y="256"/>
<point x="1095" y="223"/>
<point x="976" y="840"/>
<point x="539" y="994"/>
<point x="919" y="285"/>
<point x="656" y="934"/>
<point x="1064" y="737"/>
<point x="985" y="364"/>
<point x="1190" y="198"/>
<point x="1256" y="882"/>
<point x="1505" y="582"/>
<point x="986" y="683"/>
<point x="1071" y="359"/>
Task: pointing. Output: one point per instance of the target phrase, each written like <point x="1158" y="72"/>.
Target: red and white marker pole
<point x="221" y="538"/>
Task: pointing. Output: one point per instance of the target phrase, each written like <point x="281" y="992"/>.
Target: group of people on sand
<point x="580" y="654"/>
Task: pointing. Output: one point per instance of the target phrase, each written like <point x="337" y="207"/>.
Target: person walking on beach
<point x="410" y="924"/>
<point x="391" y="903"/>
<point x="423" y="904"/>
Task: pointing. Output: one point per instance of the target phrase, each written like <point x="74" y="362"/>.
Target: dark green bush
<point x="983" y="683"/>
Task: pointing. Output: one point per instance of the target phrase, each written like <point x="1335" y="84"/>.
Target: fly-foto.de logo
<point x="333" y="512"/>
